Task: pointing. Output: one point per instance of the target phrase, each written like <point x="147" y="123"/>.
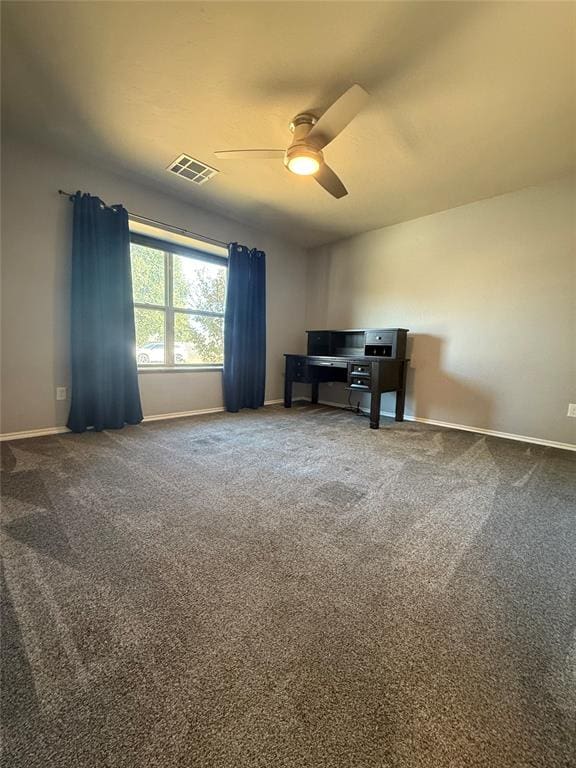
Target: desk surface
<point x="347" y="358"/>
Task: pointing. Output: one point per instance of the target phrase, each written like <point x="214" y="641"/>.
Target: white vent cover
<point x="191" y="169"/>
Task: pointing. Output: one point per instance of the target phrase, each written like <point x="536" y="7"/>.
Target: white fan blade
<point x="337" y="117"/>
<point x="251" y="154"/>
<point x="331" y="183"/>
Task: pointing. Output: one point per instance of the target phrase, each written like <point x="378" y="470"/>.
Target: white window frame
<point x="169" y="250"/>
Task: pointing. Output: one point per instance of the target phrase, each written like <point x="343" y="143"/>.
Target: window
<point x="179" y="296"/>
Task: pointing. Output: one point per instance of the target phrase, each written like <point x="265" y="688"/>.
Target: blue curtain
<point x="104" y="374"/>
<point x="245" y="329"/>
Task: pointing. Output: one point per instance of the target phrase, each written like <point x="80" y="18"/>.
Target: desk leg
<point x="375" y="410"/>
<point x="401" y="393"/>
<point x="314" y="394"/>
<point x="375" y="397"/>
<point x="288" y="384"/>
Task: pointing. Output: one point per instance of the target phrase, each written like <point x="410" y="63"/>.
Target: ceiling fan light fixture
<point x="303" y="165"/>
<point x="303" y="161"/>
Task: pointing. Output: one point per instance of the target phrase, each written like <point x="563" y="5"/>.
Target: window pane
<point x="198" y="284"/>
<point x="198" y="339"/>
<point x="150" y="336"/>
<point x="147" y="274"/>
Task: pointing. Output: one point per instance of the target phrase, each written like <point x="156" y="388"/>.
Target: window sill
<point x="179" y="369"/>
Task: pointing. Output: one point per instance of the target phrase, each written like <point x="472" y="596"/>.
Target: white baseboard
<point x="465" y="428"/>
<point x="33" y="433"/>
<point x="155" y="417"/>
<point x="180" y="414"/>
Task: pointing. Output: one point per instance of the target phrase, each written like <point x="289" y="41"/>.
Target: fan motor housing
<point x="301" y="125"/>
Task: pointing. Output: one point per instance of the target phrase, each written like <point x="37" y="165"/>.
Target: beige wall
<point x="488" y="291"/>
<point x="36" y="229"/>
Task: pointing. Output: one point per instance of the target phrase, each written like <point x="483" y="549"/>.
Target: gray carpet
<point x="288" y="589"/>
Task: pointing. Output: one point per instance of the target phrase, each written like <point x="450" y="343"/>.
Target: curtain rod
<point x="70" y="195"/>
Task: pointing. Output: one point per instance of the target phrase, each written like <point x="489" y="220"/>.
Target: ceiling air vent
<point x="192" y="169"/>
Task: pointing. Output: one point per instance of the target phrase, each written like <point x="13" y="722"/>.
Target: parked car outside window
<point x="153" y="353"/>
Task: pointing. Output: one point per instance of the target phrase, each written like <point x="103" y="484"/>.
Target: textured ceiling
<point x="469" y="100"/>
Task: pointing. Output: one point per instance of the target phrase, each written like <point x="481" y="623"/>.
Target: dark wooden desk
<point x="367" y="360"/>
<point x="370" y="375"/>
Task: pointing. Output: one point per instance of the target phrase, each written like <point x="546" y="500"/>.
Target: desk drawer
<point x="380" y="337"/>
<point x="360" y="369"/>
<point x="327" y="363"/>
<point x="300" y="370"/>
<point x="359" y="382"/>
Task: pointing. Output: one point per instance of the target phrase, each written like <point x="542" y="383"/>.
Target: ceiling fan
<point x="311" y="134"/>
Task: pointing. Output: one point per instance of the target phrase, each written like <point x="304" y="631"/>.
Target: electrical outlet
<point x="572" y="409"/>
<point x="60" y="393"/>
